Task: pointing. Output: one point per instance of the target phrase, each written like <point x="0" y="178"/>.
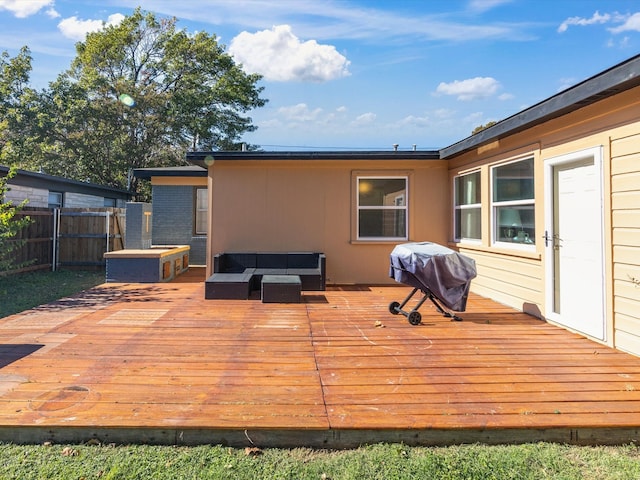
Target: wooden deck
<point x="156" y="363"/>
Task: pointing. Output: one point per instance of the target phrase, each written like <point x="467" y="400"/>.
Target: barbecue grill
<point x="441" y="274"/>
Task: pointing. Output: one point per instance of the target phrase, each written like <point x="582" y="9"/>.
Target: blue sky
<point x="365" y="74"/>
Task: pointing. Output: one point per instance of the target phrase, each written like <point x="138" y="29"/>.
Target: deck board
<point x="157" y="363"/>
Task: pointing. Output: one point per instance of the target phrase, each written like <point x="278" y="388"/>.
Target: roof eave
<point x="185" y="171"/>
<point x="202" y="158"/>
<point x="42" y="180"/>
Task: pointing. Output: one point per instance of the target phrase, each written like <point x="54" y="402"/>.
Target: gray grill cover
<point x="440" y="270"/>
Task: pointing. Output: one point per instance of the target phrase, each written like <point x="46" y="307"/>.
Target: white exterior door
<point x="574" y="242"/>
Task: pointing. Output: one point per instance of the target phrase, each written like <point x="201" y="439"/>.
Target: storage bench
<point x="159" y="263"/>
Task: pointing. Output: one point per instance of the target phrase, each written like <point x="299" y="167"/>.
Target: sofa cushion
<point x="302" y="260"/>
<point x="234" y="262"/>
<point x="271" y="260"/>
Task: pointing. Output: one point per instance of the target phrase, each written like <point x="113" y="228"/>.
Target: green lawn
<point x="388" y="462"/>
<point x="27" y="290"/>
<point x="535" y="462"/>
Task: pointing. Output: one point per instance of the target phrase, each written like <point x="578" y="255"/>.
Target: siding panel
<point x="628" y="289"/>
<point x="627" y="342"/>
<point x="513" y="281"/>
<point x="627" y="307"/>
<point x="628" y="324"/>
<point x="626" y="272"/>
<point x="625" y="197"/>
<point x="625" y="146"/>
<point x="626" y="164"/>
<point x="629" y="237"/>
<point x="626" y="219"/>
<point x="626" y="182"/>
<point x="628" y="255"/>
<point x="626" y="201"/>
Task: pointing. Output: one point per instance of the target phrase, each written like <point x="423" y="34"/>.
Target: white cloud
<point x="470" y="89"/>
<point x="415" y="121"/>
<point x="77" y="29"/>
<point x="506" y="96"/>
<point x="484" y="5"/>
<point x="364" y="119"/>
<point x="443" y="113"/>
<point x="631" y="23"/>
<point x="596" y="18"/>
<point x="299" y="113"/>
<point x="280" y="56"/>
<point x="475" y="119"/>
<point x="330" y="20"/>
<point x="52" y="13"/>
<point x="24" y="8"/>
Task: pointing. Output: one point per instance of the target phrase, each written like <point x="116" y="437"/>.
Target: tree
<point x="140" y="94"/>
<point x="16" y="108"/>
<point x="479" y="128"/>
<point x="10" y="226"/>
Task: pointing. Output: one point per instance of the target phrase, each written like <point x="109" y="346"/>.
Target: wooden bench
<point x="159" y="263"/>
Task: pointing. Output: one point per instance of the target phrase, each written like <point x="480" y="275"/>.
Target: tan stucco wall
<point x="309" y="206"/>
<point x="518" y="278"/>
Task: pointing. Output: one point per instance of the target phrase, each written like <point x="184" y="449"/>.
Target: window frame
<point x="359" y="208"/>
<point x="459" y="208"/>
<point x="196" y="210"/>
<point x="55" y="205"/>
<point x="109" y="202"/>
<point x="530" y="243"/>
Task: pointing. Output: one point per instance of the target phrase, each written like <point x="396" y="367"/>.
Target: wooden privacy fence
<point x="69" y="237"/>
<point x="36" y="251"/>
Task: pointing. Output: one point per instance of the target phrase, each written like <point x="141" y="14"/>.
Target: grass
<point x="384" y="461"/>
<point x="23" y="291"/>
<point x="388" y="461"/>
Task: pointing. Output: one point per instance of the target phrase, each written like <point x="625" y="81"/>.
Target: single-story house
<point x="49" y="191"/>
<point x="547" y="202"/>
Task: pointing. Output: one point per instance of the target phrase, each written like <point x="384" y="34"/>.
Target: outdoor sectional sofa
<point x="236" y="275"/>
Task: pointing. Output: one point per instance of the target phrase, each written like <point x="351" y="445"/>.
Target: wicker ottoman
<point x="281" y="289"/>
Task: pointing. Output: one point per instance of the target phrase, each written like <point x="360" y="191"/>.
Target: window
<point x="110" y="202"/>
<point x="513" y="203"/>
<point x="382" y="208"/>
<point x="467" y="219"/>
<point x="201" y="211"/>
<point x="55" y="200"/>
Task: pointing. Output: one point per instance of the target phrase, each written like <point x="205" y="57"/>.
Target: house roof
<point x="184" y="171"/>
<point x="616" y="79"/>
<point x="52" y="182"/>
<point x="198" y="158"/>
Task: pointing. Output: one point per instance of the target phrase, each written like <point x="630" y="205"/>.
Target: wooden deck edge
<point x="327" y="439"/>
